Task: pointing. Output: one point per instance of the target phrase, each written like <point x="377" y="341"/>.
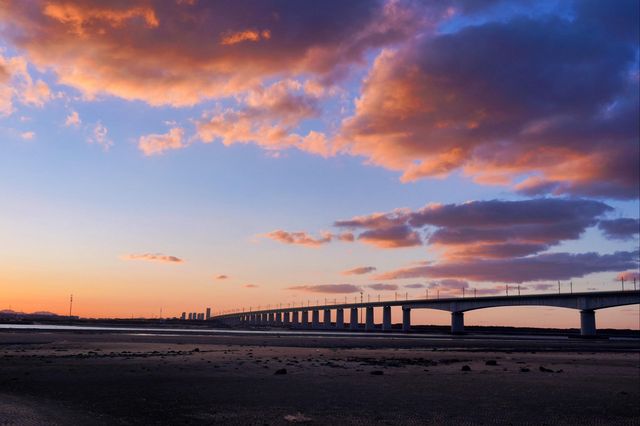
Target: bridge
<point x="298" y="316"/>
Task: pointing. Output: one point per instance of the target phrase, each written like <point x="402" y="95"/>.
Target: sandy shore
<point x="118" y="378"/>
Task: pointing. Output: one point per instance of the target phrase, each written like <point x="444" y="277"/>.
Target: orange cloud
<point x="153" y="50"/>
<point x="73" y="119"/>
<point x="17" y="84"/>
<point x="153" y="257"/>
<point x="157" y="144"/>
<point x="222" y="277"/>
<point x="247" y="35"/>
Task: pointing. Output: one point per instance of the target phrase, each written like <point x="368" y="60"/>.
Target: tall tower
<point x="208" y="313"/>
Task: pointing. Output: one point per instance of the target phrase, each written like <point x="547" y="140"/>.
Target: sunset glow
<point x="174" y="155"/>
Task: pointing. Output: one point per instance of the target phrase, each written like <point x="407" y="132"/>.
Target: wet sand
<point x="119" y="378"/>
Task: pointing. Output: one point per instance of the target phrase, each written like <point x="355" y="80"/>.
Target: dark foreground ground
<point x="72" y="378"/>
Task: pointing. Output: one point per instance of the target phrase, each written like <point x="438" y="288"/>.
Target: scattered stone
<point x="524" y="370"/>
<point x="560" y="371"/>
<point x="297" y="418"/>
<point x="545" y="370"/>
<point x="491" y="362"/>
<point x="377" y="373"/>
<point x="281" y="371"/>
<point x="196" y="350"/>
<point x="465" y="368"/>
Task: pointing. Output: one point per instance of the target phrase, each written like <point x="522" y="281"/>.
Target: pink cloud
<point x="305" y="239"/>
<point x="383" y="287"/>
<point x="250" y="286"/>
<point x="360" y="270"/>
<point x="155" y="144"/>
<point x="327" y="288"/>
<point x="153" y="257"/>
<point x="221" y="277"/>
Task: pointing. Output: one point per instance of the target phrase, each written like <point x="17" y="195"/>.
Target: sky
<point x="183" y="154"/>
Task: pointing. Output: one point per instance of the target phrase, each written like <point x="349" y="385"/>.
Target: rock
<point x="491" y="362"/>
<point x="524" y="370"/>
<point x="545" y="370"/>
<point x="297" y="418"/>
<point x="465" y="368"/>
<point x="377" y="373"/>
<point x="196" y="350"/>
<point x="281" y="371"/>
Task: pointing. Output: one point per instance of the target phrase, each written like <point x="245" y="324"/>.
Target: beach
<point x="65" y="378"/>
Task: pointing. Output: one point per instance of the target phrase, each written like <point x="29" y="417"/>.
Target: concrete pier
<point x="369" y="325"/>
<point x="386" y="318"/>
<point x="287" y="318"/>
<point x="587" y="322"/>
<point x="457" y="322"/>
<point x="406" y="319"/>
<point x="339" y="319"/>
<point x="353" y="320"/>
<point x="315" y="318"/>
<point x="326" y="317"/>
<point x="295" y="319"/>
<point x="279" y="318"/>
<point x="305" y="319"/>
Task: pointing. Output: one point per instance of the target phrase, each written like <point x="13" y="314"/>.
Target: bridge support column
<point x="327" y="318"/>
<point x="369" y="325"/>
<point x="353" y="320"/>
<point x="339" y="319"/>
<point x="287" y="318"/>
<point x="406" y="319"/>
<point x="386" y="318"/>
<point x="305" y="319"/>
<point x="279" y="318"/>
<point x="315" y="321"/>
<point x="272" y="318"/>
<point x="588" y="322"/>
<point x="295" y="319"/>
<point x="457" y="322"/>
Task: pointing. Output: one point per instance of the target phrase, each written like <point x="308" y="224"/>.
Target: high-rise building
<point x="208" y="316"/>
<point x="183" y="316"/>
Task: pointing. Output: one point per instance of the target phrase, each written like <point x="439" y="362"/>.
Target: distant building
<point x="190" y="316"/>
<point x="208" y="316"/>
<point x="183" y="316"/>
<point x="201" y="316"/>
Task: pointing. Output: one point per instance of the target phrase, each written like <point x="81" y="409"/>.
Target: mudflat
<point x="71" y="378"/>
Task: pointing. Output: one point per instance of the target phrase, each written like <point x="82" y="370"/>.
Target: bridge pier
<point x="295" y="319"/>
<point x="287" y="318"/>
<point x="369" y="325"/>
<point x="457" y="322"/>
<point x="339" y="319"/>
<point x="305" y="319"/>
<point x="279" y="318"/>
<point x="315" y="319"/>
<point x="588" y="322"/>
<point x="406" y="319"/>
<point x="353" y="320"/>
<point x="386" y="318"/>
<point x="326" y="317"/>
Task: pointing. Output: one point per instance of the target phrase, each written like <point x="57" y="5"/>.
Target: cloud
<point x="100" y="136"/>
<point x="485" y="229"/>
<point x="267" y="117"/>
<point x="628" y="276"/>
<point x="153" y="257"/>
<point x="222" y="277"/>
<point x="417" y="285"/>
<point x="16" y="84"/>
<point x="155" y="144"/>
<point x="28" y="135"/>
<point x="620" y="229"/>
<point x="546" y="105"/>
<point x="181" y="53"/>
<point x="304" y="239"/>
<point x="360" y="270"/>
<point x="548" y="266"/>
<point x="73" y="119"/>
<point x="250" y="286"/>
<point x="383" y="287"/>
<point x="327" y="288"/>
